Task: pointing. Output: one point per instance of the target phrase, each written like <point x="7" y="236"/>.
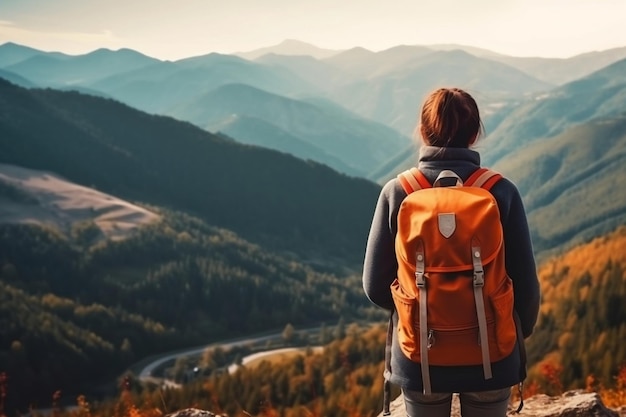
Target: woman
<point x="449" y="125"/>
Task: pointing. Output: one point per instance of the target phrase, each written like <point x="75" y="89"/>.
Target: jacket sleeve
<point x="520" y="260"/>
<point x="380" y="265"/>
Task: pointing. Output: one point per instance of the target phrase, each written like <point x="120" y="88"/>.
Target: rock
<point x="193" y="412"/>
<point x="570" y="404"/>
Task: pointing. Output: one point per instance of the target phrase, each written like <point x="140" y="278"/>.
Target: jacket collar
<point x="430" y="155"/>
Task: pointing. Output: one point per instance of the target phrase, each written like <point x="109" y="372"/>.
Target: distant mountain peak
<point x="107" y="51"/>
<point x="290" y="47"/>
<point x="473" y="50"/>
<point x="273" y="58"/>
<point x="12" y="53"/>
<point x="210" y="58"/>
<point x="295" y="42"/>
<point x="407" y="48"/>
<point x="100" y="52"/>
<point x="13" y="45"/>
<point x="358" y="52"/>
<point x="358" y="49"/>
<point x="10" y="45"/>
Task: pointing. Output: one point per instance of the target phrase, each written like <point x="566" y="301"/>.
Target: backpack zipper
<point x="433" y="332"/>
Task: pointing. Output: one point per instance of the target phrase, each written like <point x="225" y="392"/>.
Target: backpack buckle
<point x="479" y="273"/>
<point x="479" y="279"/>
<point x="420" y="267"/>
<point x="431" y="339"/>
<point x="420" y="282"/>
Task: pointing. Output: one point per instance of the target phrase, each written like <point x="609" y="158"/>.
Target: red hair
<point x="450" y="118"/>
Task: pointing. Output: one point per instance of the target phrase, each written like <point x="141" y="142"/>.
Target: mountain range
<point x="393" y="92"/>
<point x="263" y="194"/>
<point x="598" y="95"/>
<point x="274" y="102"/>
<point x="59" y="70"/>
<point x="357" y="142"/>
<point x="527" y="120"/>
<point x="566" y="151"/>
<point x="385" y="87"/>
<point x="551" y="70"/>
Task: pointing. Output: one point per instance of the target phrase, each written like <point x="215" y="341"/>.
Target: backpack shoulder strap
<point x="413" y="180"/>
<point x="483" y="178"/>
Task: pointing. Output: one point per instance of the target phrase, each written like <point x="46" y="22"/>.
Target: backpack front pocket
<point x="406" y="307"/>
<point x="502" y="302"/>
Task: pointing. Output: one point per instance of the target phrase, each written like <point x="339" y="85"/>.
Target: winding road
<point x="146" y="373"/>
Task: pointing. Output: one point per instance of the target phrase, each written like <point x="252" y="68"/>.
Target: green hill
<point x="572" y="183"/>
<point x="265" y="196"/>
<point x="601" y="94"/>
<point x="258" y="132"/>
<point x="16" y="79"/>
<point x="358" y="143"/>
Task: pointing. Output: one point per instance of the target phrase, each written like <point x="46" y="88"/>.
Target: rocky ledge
<point x="570" y="404"/>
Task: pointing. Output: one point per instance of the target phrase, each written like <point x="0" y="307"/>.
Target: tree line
<point x="75" y="313"/>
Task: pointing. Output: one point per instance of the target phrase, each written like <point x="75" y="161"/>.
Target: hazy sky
<point x="171" y="29"/>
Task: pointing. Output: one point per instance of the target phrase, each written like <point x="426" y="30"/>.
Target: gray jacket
<point x="380" y="267"/>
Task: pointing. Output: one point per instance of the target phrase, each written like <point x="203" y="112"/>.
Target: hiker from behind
<point x="449" y="255"/>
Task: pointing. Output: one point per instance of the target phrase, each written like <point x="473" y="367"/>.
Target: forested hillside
<point x="599" y="95"/>
<point x="575" y="190"/>
<point x="75" y="300"/>
<point x="75" y="313"/>
<point x="578" y="339"/>
<point x="266" y="196"/>
<point x="345" y="380"/>
<point x="582" y="325"/>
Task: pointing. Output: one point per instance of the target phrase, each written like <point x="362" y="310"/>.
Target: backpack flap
<point x="434" y="216"/>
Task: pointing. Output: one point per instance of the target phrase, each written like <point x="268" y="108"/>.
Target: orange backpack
<point x="453" y="296"/>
